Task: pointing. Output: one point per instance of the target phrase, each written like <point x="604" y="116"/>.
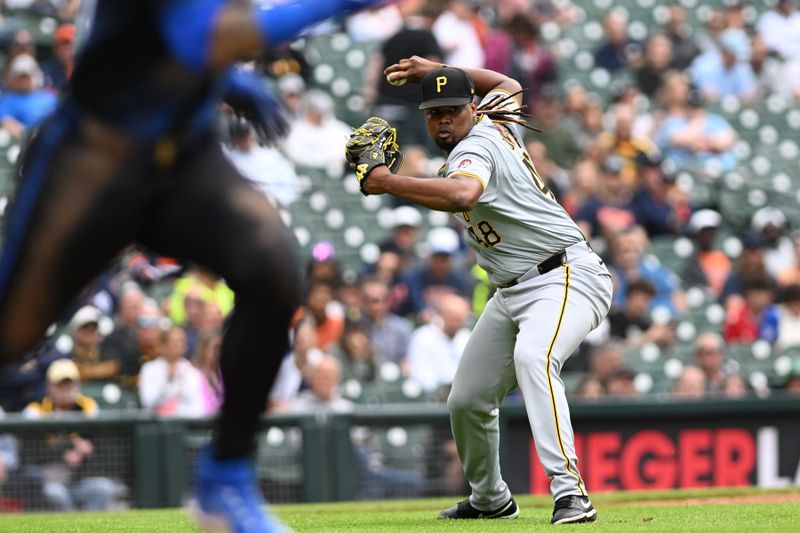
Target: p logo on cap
<point x="446" y="86"/>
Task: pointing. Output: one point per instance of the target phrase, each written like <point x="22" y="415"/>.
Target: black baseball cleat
<point x="466" y="510"/>
<point x="573" y="510"/>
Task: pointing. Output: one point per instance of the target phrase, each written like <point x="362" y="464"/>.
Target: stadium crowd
<point x="151" y="326"/>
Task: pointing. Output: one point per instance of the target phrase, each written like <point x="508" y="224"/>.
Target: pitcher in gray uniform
<point x="552" y="288"/>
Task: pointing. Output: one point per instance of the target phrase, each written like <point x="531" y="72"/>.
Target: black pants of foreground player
<point x="85" y="193"/>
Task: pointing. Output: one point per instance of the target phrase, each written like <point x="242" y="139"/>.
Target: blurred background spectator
<point x="169" y="385"/>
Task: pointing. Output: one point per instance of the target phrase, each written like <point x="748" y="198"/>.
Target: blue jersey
<point x="126" y="75"/>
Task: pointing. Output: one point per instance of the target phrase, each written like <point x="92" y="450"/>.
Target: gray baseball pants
<point x="524" y="335"/>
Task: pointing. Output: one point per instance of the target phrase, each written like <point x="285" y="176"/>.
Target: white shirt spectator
<point x="317" y="139"/>
<point x="178" y="394"/>
<point x="287" y="383"/>
<point x="781" y="33"/>
<point x="433" y="356"/>
<point x="377" y="24"/>
<point x="268" y="169"/>
<point x="459" y="41"/>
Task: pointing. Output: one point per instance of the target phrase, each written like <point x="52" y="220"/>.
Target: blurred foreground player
<point x="131" y="156"/>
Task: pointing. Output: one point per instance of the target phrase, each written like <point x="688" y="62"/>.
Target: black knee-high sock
<point x="255" y="341"/>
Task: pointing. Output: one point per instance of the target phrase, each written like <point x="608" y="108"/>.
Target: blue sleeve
<point x="6" y="109"/>
<point x="186" y="27"/>
<point x="283" y="22"/>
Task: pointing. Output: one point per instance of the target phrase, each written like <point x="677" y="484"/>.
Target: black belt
<point x="551" y="263"/>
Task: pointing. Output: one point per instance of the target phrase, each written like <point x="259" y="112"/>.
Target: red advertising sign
<point x="673" y="453"/>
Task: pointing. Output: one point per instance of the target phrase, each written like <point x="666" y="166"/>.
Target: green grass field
<point x="666" y="511"/>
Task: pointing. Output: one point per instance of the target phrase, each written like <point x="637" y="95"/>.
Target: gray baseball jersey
<point x="527" y="330"/>
<point x="517" y="223"/>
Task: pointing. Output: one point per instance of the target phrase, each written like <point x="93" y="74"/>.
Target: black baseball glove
<point x="372" y="144"/>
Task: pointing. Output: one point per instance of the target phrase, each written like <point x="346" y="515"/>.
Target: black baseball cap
<point x="446" y="86"/>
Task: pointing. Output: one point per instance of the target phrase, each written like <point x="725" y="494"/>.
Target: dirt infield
<point x="782" y="497"/>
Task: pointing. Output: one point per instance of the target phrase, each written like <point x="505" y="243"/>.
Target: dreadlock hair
<point x="502" y="117"/>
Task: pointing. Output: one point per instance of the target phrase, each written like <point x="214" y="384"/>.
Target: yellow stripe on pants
<point x="550" y="382"/>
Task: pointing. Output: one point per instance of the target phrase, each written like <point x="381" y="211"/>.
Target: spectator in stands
<point x="295" y="366"/>
<point x="428" y="281"/>
<point x="131" y="355"/>
<point x="86" y="338"/>
<point x="709" y="356"/>
<point x="707" y="267"/>
<point x="782" y="326"/>
<point x="195" y="325"/>
<point x="584" y="186"/>
<point x="734" y="386"/>
<point x="749" y="265"/>
<point x="206" y="360"/>
<point x="621" y="141"/>
<point x="121" y="346"/>
<point x="589" y="126"/>
<point x="556" y="135"/>
<point x="317" y="137"/>
<point x="780" y="29"/>
<point x="323" y="395"/>
<point x="169" y="385"/>
<point x="435" y="349"/>
<point x="620" y="383"/>
<point x="516" y="52"/>
<point x="672" y="96"/>
<point x="726" y="70"/>
<point x="773" y="74"/>
<point x="617" y="50"/>
<point x="791" y="275"/>
<point x="358" y="356"/>
<point x="406" y="221"/>
<point x="692" y="135"/>
<point x="779" y="254"/>
<point x="457" y="36"/>
<point x="659" y="205"/>
<point x="631" y="324"/>
<point x="388" y="332"/>
<point x="748" y="319"/>
<point x="627" y="266"/>
<point x="576" y="99"/>
<point x="657" y="60"/>
<point x="708" y="37"/>
<point x="66" y="464"/>
<point x="690" y="385"/>
<point x="606" y="359"/>
<point x="58" y="69"/>
<point x="264" y="166"/>
<point x="323" y="398"/>
<point x="63" y="393"/>
<point x="679" y="32"/>
<point x="398" y="104"/>
<point x="24" y="103"/>
<point x="22" y="43"/>
<point x="326" y="312"/>
<point x="608" y="211"/>
<point x="291" y="88"/>
<point x="374" y="24"/>
<point x="324" y="265"/>
<point x="211" y="288"/>
<point x="590" y="388"/>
